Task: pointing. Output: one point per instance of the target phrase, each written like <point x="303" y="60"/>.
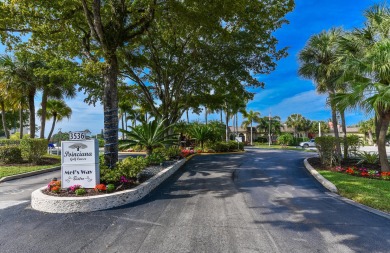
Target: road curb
<point x="29" y="174"/>
<point x="53" y="204"/>
<point x="327" y="184"/>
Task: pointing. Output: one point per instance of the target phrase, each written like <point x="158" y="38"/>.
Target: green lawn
<point x="19" y="169"/>
<point x="369" y="192"/>
<point x="283" y="147"/>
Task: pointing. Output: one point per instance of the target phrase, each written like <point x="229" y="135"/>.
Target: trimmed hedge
<point x="326" y="146"/>
<point x="33" y="149"/>
<point x="10" y="154"/>
<point x="8" y="142"/>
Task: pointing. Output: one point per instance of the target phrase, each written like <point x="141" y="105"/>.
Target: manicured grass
<point x="369" y="192"/>
<point x="283" y="147"/>
<point x="6" y="170"/>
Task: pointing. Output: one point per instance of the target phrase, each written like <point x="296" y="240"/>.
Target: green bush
<point x="10" y="154"/>
<point x="172" y="152"/>
<point x="367" y="157"/>
<point x="131" y="166"/>
<point x="101" y="143"/>
<point x="8" y="142"/>
<point x="354" y="142"/>
<point x="285" y="139"/>
<point x="80" y="191"/>
<point x="155" y="158"/>
<point x="110" y="187"/>
<point x="326" y="150"/>
<point x="33" y="149"/>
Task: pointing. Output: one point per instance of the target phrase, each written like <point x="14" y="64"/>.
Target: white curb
<point x="53" y="204"/>
<point x="327" y="184"/>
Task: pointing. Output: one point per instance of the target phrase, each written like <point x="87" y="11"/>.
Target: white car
<point x="306" y="144"/>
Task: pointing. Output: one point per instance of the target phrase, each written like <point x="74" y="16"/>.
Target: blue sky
<point x="285" y="92"/>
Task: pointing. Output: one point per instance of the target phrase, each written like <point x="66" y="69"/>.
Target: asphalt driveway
<point x="260" y="201"/>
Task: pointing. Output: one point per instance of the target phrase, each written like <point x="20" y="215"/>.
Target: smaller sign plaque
<point x="77" y="136"/>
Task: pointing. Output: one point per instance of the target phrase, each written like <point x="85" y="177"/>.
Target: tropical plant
<point x="56" y="110"/>
<point x="367" y="127"/>
<point x="296" y="121"/>
<point x="200" y="132"/>
<point x="251" y="117"/>
<point x="365" y="53"/>
<point x="367" y="157"/>
<point x="318" y="62"/>
<point x="285" y="139"/>
<point x="148" y="135"/>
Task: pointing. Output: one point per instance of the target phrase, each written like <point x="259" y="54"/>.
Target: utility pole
<point x="269" y="129"/>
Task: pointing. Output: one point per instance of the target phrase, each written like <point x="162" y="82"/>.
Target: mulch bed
<point x="146" y="174"/>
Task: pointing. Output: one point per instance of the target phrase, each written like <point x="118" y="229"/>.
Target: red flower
<point x="100" y="187"/>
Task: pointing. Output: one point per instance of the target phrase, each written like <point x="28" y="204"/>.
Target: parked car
<point x="306" y="144"/>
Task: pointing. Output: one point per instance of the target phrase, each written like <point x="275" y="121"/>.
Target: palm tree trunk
<point x="188" y="119"/>
<point x="227" y="126"/>
<point x="31" y="108"/>
<point x="43" y="115"/>
<point x="110" y="104"/>
<point x="336" y="132"/>
<point x="21" y="120"/>
<point x="370" y="141"/>
<point x="6" y="132"/>
<point x="344" y="127"/>
<point x="123" y="125"/>
<point x="385" y="120"/>
<point x="251" y="135"/>
<point x="205" y="114"/>
<point x="52" y="126"/>
<point x="221" y="116"/>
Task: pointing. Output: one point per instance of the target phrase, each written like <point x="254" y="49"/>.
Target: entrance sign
<point x="77" y="136"/>
<point x="80" y="163"/>
<point x="239" y="139"/>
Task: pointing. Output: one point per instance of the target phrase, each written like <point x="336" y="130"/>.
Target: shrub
<point x="367" y="157"/>
<point x="8" y="142"/>
<point x="172" y="152"/>
<point x="33" y="149"/>
<point x="110" y="187"/>
<point x="161" y="151"/>
<point x="285" y="139"/>
<point x="155" y="158"/>
<point x="10" y="154"/>
<point x="80" y="191"/>
<point x="326" y="150"/>
<point x="131" y="166"/>
<point x="354" y="142"/>
<point x="101" y="143"/>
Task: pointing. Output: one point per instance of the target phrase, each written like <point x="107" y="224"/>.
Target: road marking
<point x="6" y="204"/>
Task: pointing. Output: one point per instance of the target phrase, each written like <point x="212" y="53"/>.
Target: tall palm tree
<point x="251" y="117"/>
<point x="365" y="54"/>
<point x="56" y="110"/>
<point x="19" y="71"/>
<point x="295" y="121"/>
<point x="318" y="62"/>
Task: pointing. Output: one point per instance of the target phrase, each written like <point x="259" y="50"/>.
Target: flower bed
<point x="363" y="172"/>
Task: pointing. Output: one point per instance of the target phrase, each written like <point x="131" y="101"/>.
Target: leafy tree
<point x="250" y="117"/>
<point x="56" y="110"/>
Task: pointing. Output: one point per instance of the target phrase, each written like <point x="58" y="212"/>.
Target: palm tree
<point x="19" y="71"/>
<point x="367" y="127"/>
<point x="295" y="121"/>
<point x="200" y="132"/>
<point x="56" y="110"/>
<point x="365" y="54"/>
<point x="318" y="62"/>
<point x="149" y="135"/>
<point x="251" y="117"/>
